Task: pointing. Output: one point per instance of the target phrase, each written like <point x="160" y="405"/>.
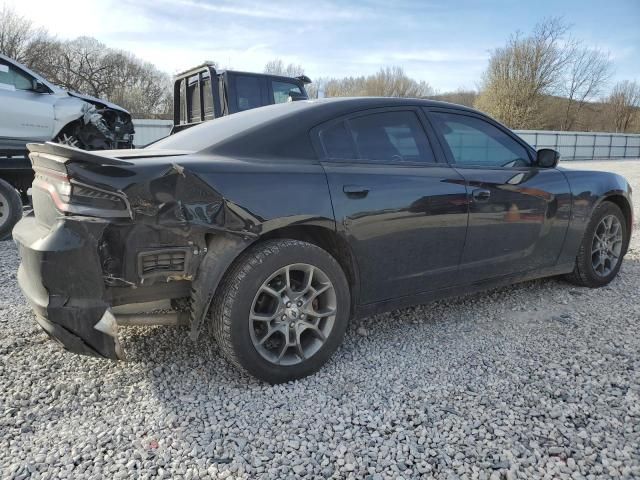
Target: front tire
<point x="281" y="310"/>
<point x="603" y="246"/>
<point x="10" y="209"/>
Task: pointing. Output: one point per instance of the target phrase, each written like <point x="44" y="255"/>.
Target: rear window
<point x="216" y="131"/>
<point x="248" y="92"/>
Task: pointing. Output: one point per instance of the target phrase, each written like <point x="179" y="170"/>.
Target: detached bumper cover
<point x="61" y="276"/>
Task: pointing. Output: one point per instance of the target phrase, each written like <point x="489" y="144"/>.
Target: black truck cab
<point x="203" y="93"/>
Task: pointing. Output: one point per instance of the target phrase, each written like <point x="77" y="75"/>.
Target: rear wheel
<point x="604" y="243"/>
<point x="282" y="310"/>
<point x="10" y="209"/>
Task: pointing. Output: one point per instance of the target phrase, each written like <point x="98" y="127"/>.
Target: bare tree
<point x="624" y="105"/>
<point x="520" y="74"/>
<point x="393" y="82"/>
<point x="87" y="66"/>
<point x="587" y="73"/>
<point x="277" y="67"/>
<point x="387" y="82"/>
<point x="460" y="96"/>
<point x="139" y="86"/>
<point x="17" y="35"/>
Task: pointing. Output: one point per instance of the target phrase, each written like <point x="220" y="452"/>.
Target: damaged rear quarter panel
<point x="214" y="206"/>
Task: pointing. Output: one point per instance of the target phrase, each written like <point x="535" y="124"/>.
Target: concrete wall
<point x="148" y="130"/>
<point x="585" y="145"/>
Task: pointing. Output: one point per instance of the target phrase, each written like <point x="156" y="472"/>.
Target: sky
<point x="444" y="42"/>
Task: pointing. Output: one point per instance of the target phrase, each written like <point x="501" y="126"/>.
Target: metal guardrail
<point x="571" y="145"/>
<point x="584" y="145"/>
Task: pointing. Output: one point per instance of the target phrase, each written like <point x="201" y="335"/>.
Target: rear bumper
<point x="61" y="276"/>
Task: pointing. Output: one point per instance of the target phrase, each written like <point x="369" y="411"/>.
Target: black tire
<point x="235" y="296"/>
<point x="10" y="209"/>
<point x="584" y="273"/>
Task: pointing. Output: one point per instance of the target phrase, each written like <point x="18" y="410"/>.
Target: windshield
<point x="210" y="133"/>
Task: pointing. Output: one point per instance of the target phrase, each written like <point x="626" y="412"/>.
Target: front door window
<point x="475" y="142"/>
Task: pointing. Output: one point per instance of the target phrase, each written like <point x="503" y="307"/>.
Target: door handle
<point x="481" y="194"/>
<point x="355" y="191"/>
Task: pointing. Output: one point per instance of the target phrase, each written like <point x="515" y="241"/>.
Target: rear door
<point x="518" y="213"/>
<point x="402" y="211"/>
<point x="24" y="114"/>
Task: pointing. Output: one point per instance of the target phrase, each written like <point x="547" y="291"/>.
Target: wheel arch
<point x="223" y="250"/>
<point x="329" y="241"/>
<point x="627" y="210"/>
<point x="67" y="127"/>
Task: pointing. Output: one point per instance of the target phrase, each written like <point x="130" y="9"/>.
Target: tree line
<point x="549" y="80"/>
<point x="87" y="66"/>
<point x="544" y="80"/>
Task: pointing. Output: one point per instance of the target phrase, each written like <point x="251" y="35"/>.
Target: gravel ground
<point x="539" y="380"/>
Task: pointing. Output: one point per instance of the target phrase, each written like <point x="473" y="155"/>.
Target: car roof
<point x="280" y="129"/>
<point x="373" y="102"/>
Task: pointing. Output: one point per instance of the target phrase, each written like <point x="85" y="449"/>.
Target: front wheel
<point x="282" y="310"/>
<point x="603" y="246"/>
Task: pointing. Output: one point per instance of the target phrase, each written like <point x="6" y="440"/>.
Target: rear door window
<point x="396" y="136"/>
<point x="337" y="142"/>
<point x="248" y="92"/>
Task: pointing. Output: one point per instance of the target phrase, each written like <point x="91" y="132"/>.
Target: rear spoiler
<point x="68" y="154"/>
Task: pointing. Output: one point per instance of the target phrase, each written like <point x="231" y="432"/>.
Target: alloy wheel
<point x="606" y="246"/>
<point x="292" y="314"/>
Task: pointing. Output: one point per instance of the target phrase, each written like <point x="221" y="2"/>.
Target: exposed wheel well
<point x="69" y="127"/>
<point x="327" y="240"/>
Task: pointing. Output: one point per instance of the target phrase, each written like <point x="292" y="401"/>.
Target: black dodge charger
<point x="272" y="228"/>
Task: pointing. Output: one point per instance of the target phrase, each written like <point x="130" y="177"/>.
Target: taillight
<point x="96" y="198"/>
<point x="71" y="196"/>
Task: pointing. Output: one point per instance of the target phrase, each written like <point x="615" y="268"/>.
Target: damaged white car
<point x="33" y="109"/>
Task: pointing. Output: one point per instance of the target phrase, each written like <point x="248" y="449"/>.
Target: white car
<point x="33" y="110"/>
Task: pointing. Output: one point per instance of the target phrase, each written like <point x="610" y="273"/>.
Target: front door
<point x="26" y="115"/>
<point x="518" y="213"/>
<point x="403" y="213"/>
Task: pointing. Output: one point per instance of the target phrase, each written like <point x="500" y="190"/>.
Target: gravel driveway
<point x="539" y="380"/>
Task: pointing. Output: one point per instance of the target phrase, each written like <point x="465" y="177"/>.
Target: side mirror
<point x="547" y="158"/>
<point x="295" y="96"/>
<point x="39" y="87"/>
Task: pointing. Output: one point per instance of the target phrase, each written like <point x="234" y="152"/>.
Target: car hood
<point x="98" y="101"/>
